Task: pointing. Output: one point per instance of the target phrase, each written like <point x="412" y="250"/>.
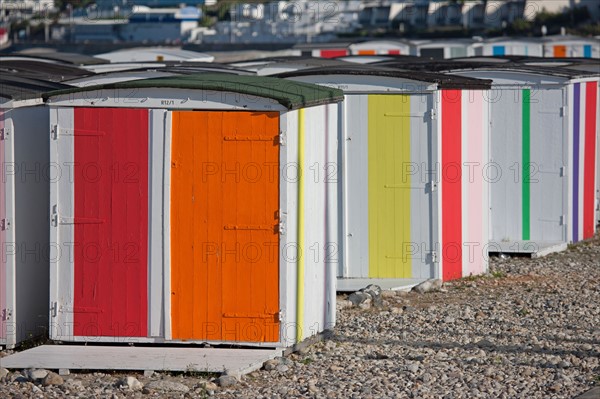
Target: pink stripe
<point x="2" y="233"/>
<point x="473" y="173"/>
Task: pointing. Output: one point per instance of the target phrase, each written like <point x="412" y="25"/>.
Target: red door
<point x="111" y="222"/>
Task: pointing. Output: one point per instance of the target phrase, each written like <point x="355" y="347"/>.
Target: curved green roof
<point x="290" y="94"/>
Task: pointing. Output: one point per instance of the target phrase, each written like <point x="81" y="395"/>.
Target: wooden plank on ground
<point x="75" y="357"/>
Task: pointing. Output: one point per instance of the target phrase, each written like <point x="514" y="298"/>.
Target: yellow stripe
<point x="300" y="277"/>
<point x="389" y="182"/>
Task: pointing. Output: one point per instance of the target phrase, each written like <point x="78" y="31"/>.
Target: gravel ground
<point x="530" y="329"/>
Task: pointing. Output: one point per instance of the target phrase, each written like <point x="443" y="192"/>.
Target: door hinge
<point x="54" y="132"/>
<point x="281" y="316"/>
<point x="4" y="133"/>
<point x="5" y="224"/>
<point x="563" y="111"/>
<point x="56" y="220"/>
<point x="563" y="171"/>
<point x="433" y="186"/>
<point x="563" y="220"/>
<point x="432" y="114"/>
<point x="6" y="314"/>
<point x="434" y="257"/>
<point x="282" y="138"/>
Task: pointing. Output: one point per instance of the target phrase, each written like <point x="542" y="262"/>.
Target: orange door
<point x="224" y="226"/>
<point x="560" y="51"/>
<point x="366" y="52"/>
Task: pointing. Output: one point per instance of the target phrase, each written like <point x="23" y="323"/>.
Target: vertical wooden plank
<point x="209" y="213"/>
<point x="389" y="186"/>
<point x="4" y="259"/>
<point x="111" y="222"/>
<point x="576" y="139"/>
<point x="451" y="185"/>
<point x="591" y="120"/>
<point x="473" y="162"/>
<point x="526" y="161"/>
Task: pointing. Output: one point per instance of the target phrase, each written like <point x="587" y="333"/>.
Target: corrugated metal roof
<point x="443" y="81"/>
<point x="292" y="95"/>
<point x="20" y="88"/>
<point x="68" y="58"/>
<point x="451" y="65"/>
<point x="41" y="70"/>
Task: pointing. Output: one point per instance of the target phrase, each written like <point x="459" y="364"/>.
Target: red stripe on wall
<point x="451" y="185"/>
<point x="589" y="179"/>
<point x="111" y="222"/>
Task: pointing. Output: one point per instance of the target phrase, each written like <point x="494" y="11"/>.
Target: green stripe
<point x="526" y="163"/>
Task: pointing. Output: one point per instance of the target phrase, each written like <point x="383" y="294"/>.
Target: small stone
<point x="428" y="286"/>
<point x="449" y="320"/>
<point x="388" y="294"/>
<point x="413" y="367"/>
<point x="282" y="368"/>
<point x="210" y="386"/>
<point x="238" y="375"/>
<point x="64" y="372"/>
<point x="148" y="373"/>
<point x="564" y="365"/>
<point x="36" y="374"/>
<point x="52" y="379"/>
<point x="358" y="297"/>
<point x="163" y="385"/>
<point x="366" y="304"/>
<point x="343" y="304"/>
<point x="271" y="364"/>
<point x="226" y="381"/>
<point x="131" y="383"/>
<point x="3" y="373"/>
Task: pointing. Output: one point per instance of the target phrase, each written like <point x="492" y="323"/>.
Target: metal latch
<point x="282" y="138"/>
<point x="434" y="257"/>
<point x="6" y="314"/>
<point x="54" y="132"/>
<point x="563" y="220"/>
<point x="433" y="114"/>
<point x="5" y="224"/>
<point x="4" y="133"/>
<point x="563" y="111"/>
<point x="54" y="309"/>
<point x="433" y="186"/>
<point x="563" y="171"/>
<point x="282" y="227"/>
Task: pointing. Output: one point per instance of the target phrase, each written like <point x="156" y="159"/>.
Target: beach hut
<point x="380" y="47"/>
<point x="201" y="209"/>
<point x="411" y="210"/>
<point x="24" y="215"/>
<point x="441" y="49"/>
<point x="570" y="46"/>
<point x="544" y="124"/>
<point x="322" y="50"/>
<point x="512" y="46"/>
